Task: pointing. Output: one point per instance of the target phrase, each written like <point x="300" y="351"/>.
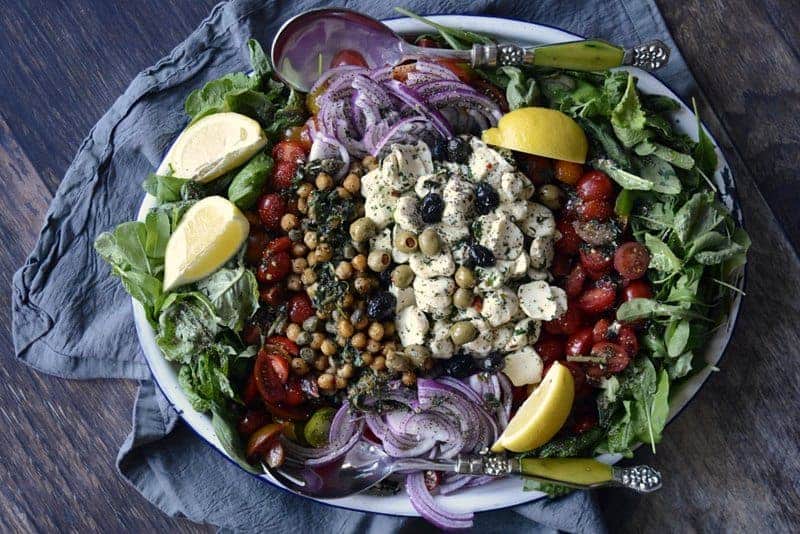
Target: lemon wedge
<point x="209" y="234"/>
<point x="214" y="145"/>
<point x="542" y="414"/>
<point x="540" y="131"/>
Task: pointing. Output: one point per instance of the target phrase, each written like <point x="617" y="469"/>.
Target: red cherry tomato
<point x="631" y="260"/>
<point x="569" y="322"/>
<point x="569" y="241"/>
<point x="579" y="343"/>
<point x="550" y="348"/>
<point x="492" y="91"/>
<point x="595" y="259"/>
<point x="251" y="396"/>
<point x="269" y="383"/>
<point x="628" y="339"/>
<point x="561" y="264"/>
<point x="274" y="295"/>
<point x="595" y="185"/>
<point x="538" y="169"/>
<point x="252" y="421"/>
<point x="600" y="330"/>
<point x="300" y="308"/>
<point x="271" y="208"/>
<point x="615" y="357"/>
<point x="289" y="151"/>
<point x="597" y="299"/>
<point x="595" y="210"/>
<point x="294" y="393"/>
<point x="637" y="289"/>
<point x="283" y="175"/>
<point x="279" y="362"/>
<point x="275" y="267"/>
<point x="518" y="395"/>
<point x="262" y="441"/>
<point x="574" y="283"/>
<point x="568" y="172"/>
<point x="285" y="343"/>
<point x="348" y="57"/>
<point x="279" y="244"/>
<point x="578" y="375"/>
<point x="256" y="242"/>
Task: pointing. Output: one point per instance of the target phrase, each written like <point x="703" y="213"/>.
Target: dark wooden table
<point x="732" y="457"/>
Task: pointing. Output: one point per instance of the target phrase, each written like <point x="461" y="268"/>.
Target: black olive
<point x="493" y="362"/>
<point x="461" y="365"/>
<point x="385" y="276"/>
<point x="439" y="150"/>
<point x="481" y="256"/>
<point x="486" y="198"/>
<point x="458" y="150"/>
<point x="432" y="208"/>
<point x="381" y="305"/>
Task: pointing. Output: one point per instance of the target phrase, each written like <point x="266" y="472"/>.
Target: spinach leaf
<point x="187" y="325"/>
<point x="699" y="215"/>
<point x="229" y="438"/>
<point x="661" y="256"/>
<point x="621" y="434"/>
<point x="660" y="104"/>
<point x="211" y="98"/>
<point x="654" y="408"/>
<point x="680" y="366"/>
<point x="660" y="174"/>
<point x="249" y="181"/>
<point x="164" y="188"/>
<point x="262" y="69"/>
<point x="646" y="148"/>
<point x="704" y="153"/>
<point x="627" y="118"/>
<point x="204" y="378"/>
<point x="717" y="250"/>
<point x="233" y="292"/>
<point x="624" y="178"/>
<point x="602" y="134"/>
<point x="648" y="308"/>
<point x="520" y="91"/>
<point x="676" y="337"/>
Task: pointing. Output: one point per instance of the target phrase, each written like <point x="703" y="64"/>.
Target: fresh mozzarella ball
<point x="430" y="183"/>
<point x="539" y="222"/>
<point x="382" y="241"/>
<point x="500" y="235"/>
<point x="523" y="367"/>
<point x="502" y="335"/>
<point x="412" y="326"/>
<point x="542" y="252"/>
<point x="434" y="295"/>
<point x="525" y="332"/>
<point x="432" y="266"/>
<point x="516" y="211"/>
<point x="459" y="198"/>
<point x="379" y="201"/>
<point x="541" y="301"/>
<point x="404" y="296"/>
<point x="441" y="345"/>
<point x="486" y="164"/>
<point x="406" y="163"/>
<point x="407" y="215"/>
<point x="514" y="186"/>
<point x="499" y="306"/>
<point x="483" y="344"/>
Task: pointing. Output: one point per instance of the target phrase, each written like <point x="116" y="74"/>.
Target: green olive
<point x="465" y="277"/>
<point x="319" y="426"/>
<point x="417" y="354"/>
<point x="429" y="242"/>
<point x="378" y="260"/>
<point x="462" y="298"/>
<point x="362" y="229"/>
<point x="462" y="332"/>
<point x="551" y="196"/>
<point x="405" y="242"/>
<point x="402" y="276"/>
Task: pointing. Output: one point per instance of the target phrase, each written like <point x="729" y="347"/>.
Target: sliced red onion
<point x="479" y="481"/>
<point x="412" y="99"/>
<point x="424" y="503"/>
<point x="332" y="74"/>
<point x="506" y="393"/>
<point x="454" y="483"/>
<point x="407" y="131"/>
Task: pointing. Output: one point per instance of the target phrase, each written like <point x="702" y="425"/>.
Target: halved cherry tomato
<point x="462" y="70"/>
<point x="300" y="308"/>
<point x="252" y="421"/>
<point x="273" y="294"/>
<point x="256" y="242"/>
<point x="428" y="42"/>
<point x="595" y="258"/>
<point x="289" y="151"/>
<point x="432" y="479"/>
<point x="615" y="357"/>
<point x="597" y="299"/>
<point x="251" y="334"/>
<point x="492" y="91"/>
<point x="299" y="135"/>
<point x="595" y="185"/>
<point x="284" y="342"/>
<point x="578" y="376"/>
<point x="637" y="289"/>
<point x="568" y="172"/>
<point x="584" y="422"/>
<point x="262" y="441"/>
<point x="580" y="343"/>
<point x="569" y="322"/>
<point x="574" y="283"/>
<point x="550" y="348"/>
<point x="274" y="267"/>
<point x="597" y="210"/>
<point x="631" y="260"/>
<point x="569" y="241"/>
<point x="283" y="176"/>
<point x="251" y="395"/>
<point x="266" y="372"/>
<point x="561" y="264"/>
<point x="271" y="207"/>
<point x="279" y="244"/>
<point x="294" y="393"/>
<point x="628" y="339"/>
<point x="538" y="169"/>
<point x="600" y="330"/>
<point x="348" y="57"/>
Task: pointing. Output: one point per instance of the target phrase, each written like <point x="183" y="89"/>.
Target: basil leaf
<point x="704" y="153"/>
<point x="657" y="410"/>
<point x="627" y="118"/>
<point x="660" y="174"/>
<point x="520" y="91"/>
<point x="624" y="178"/>
<point x="187" y="325"/>
<point x="233" y="294"/>
<point x="211" y="97"/>
<point x="249" y="181"/>
<point x="229" y="438"/>
<point x="164" y="188"/>
<point x="661" y="256"/>
<point x="677" y="337"/>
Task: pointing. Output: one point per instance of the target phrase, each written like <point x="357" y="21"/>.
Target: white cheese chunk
<point x="516" y="211"/>
<point x="560" y="297"/>
<point x="520" y="266"/>
<point x="406" y="163"/>
<point x="381" y="241"/>
<point x="441" y="345"/>
<point x="539" y="300"/>
<point x="542" y="252"/>
<point x="483" y="344"/>
<point x="499" y="234"/>
<point x="502" y="335"/>
<point x="523" y="367"/>
<point x="432" y="266"/>
<point x="434" y="295"/>
<point x="430" y="183"/>
<point x="499" y="306"/>
<point x="452" y="234"/>
<point x="379" y="200"/>
<point x="404" y="296"/>
<point x="539" y="221"/>
<point x="459" y="198"/>
<point x="412" y="326"/>
<point x="486" y="164"/>
<point x="525" y="332"/>
<point x="407" y="214"/>
<point x="514" y="186"/>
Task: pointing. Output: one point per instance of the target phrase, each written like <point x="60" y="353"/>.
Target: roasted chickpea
<point x="364" y="284"/>
<point x="299" y="250"/>
<point x="347" y="300"/>
<point x="299" y="366"/>
<point x="465" y="278"/>
<point x="288" y="222"/>
<point x="359" y="262"/>
<point x="328" y="347"/>
<point x="346" y="371"/>
<point x="409" y="378"/>
<point x="310" y="239"/>
<point x="378" y="260"/>
<point x="373" y="345"/>
<point x="367" y="358"/>
<point x="388" y="330"/>
<point x="316" y="341"/>
<point x="375" y="331"/>
<point x="378" y="364"/>
<point x="362" y="229"/>
<point x="324" y="252"/>
<point x="304" y="190"/>
<point x="308" y="276"/>
<point x="429" y="242"/>
<point x="341" y="382"/>
<point x="462" y="298"/>
<point x="321" y="363"/>
<point x="299" y="265"/>
<point x="293" y="331"/>
<point x="370" y="162"/>
<point x="326" y="381"/>
<point x="344" y="328"/>
<point x="405" y="241"/>
<point x="302" y="205"/>
<point x="324" y="181"/>
<point x="352" y="183"/>
<point x="359" y="340"/>
<point x="344" y="271"/>
<point x="294" y="283"/>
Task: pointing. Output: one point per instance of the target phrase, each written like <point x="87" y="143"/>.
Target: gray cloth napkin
<point x="71" y="319"/>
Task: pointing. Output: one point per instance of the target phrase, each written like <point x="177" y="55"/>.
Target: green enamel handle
<point x="591" y="55"/>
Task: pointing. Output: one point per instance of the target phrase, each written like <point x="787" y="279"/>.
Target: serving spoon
<point x="365" y="465"/>
<point x="305" y="46"/>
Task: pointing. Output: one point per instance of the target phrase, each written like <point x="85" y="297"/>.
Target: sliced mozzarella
<point x="539" y="221"/>
<point x="523" y="367"/>
<point x="542" y="252"/>
<point x="404" y="296"/>
<point x="499" y="306"/>
<point x="379" y="200"/>
<point x="538" y="300"/>
<point x="432" y="266"/>
<point x="441" y="345"/>
<point x="486" y="164"/>
<point x="407" y="215"/>
<point x="434" y="295"/>
<point x="502" y="335"/>
<point x="406" y="163"/>
<point x="412" y="326"/>
<point x="499" y="234"/>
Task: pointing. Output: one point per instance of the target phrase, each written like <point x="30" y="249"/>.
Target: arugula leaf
<point x="520" y="91"/>
<point x="704" y="154"/>
<point x="250" y="180"/>
<point x="661" y="256"/>
<point x="700" y="214"/>
<point x="627" y="118"/>
<point x="456" y="38"/>
<point x="164" y="188"/>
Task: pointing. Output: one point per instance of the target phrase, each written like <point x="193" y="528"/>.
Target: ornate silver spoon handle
<point x="580" y="473"/>
<point x="590" y="55"/>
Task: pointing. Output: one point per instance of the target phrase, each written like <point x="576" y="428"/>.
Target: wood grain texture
<point x="731" y="458"/>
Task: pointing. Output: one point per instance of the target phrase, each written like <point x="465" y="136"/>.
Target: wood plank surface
<point x="730" y="459"/>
